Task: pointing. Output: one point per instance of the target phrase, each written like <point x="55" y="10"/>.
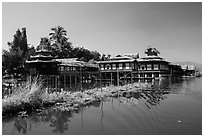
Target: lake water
<point x="178" y="112"/>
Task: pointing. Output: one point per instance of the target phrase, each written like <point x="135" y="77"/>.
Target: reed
<point x="25" y="95"/>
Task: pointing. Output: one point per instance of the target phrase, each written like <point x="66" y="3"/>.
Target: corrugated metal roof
<point x="67" y="60"/>
<point x="116" y="61"/>
<point x="121" y="58"/>
<point x="75" y="62"/>
<point x="37" y="56"/>
<point x="32" y="61"/>
<point x="152" y="58"/>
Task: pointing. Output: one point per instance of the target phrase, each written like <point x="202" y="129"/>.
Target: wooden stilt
<point x="64" y="81"/>
<point x="70" y="81"/>
<point x="111" y="78"/>
<point x="75" y="80"/>
<point x="81" y="78"/>
<point x="131" y="77"/>
<point x="100" y="78"/>
<point x="55" y="81"/>
<point x="117" y="78"/>
<point x="58" y="82"/>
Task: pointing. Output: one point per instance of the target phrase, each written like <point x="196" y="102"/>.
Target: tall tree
<point x="14" y="59"/>
<point x="60" y="44"/>
<point x="23" y="41"/>
<point x="19" y="41"/>
<point x="58" y="36"/>
<point x="62" y="48"/>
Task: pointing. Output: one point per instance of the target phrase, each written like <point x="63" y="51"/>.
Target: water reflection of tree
<point x="21" y="125"/>
<point x="58" y="119"/>
<point x="60" y="122"/>
<point x="96" y="104"/>
<point x="151" y="97"/>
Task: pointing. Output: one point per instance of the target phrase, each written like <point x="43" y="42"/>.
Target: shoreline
<point x="39" y="99"/>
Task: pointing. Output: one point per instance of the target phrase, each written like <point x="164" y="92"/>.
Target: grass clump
<point x="31" y="95"/>
<point x="27" y="95"/>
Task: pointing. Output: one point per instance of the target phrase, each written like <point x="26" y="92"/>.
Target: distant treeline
<point x="13" y="60"/>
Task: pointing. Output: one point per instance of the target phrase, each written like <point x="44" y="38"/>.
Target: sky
<point x="174" y="29"/>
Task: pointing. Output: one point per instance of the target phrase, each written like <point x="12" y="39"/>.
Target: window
<point x="149" y="67"/>
<point x="102" y="67"/>
<point x="61" y="68"/>
<point x="164" y="67"/>
<point x="156" y="75"/>
<point x="127" y="65"/>
<point x="74" y="68"/>
<point x="156" y="67"/>
<point x="141" y="75"/>
<point x="120" y="66"/>
<point x="67" y="68"/>
<point x="135" y="75"/>
<point x="113" y="66"/>
<point x="108" y="66"/>
<point x="149" y="75"/>
<point x="142" y="67"/>
<point x="133" y="66"/>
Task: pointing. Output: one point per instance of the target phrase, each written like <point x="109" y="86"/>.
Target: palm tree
<point x="60" y="43"/>
<point x="58" y="35"/>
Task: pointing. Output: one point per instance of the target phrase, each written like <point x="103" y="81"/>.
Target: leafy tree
<point x="85" y="54"/>
<point x="95" y="55"/>
<point x="13" y="60"/>
<point x="19" y="41"/>
<point x="62" y="48"/>
<point x="23" y="41"/>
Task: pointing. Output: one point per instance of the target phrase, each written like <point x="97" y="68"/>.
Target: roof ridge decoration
<point x="151" y="51"/>
<point x="44" y="45"/>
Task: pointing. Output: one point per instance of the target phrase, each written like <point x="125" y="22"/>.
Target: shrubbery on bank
<point x="31" y="95"/>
